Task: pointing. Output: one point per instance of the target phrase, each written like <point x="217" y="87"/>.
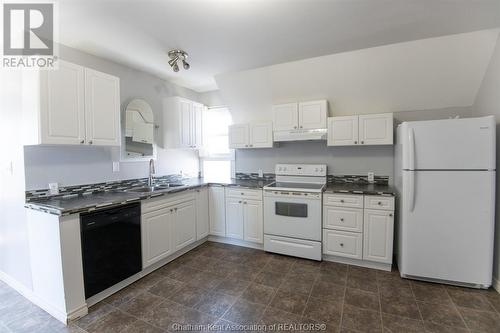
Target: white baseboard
<point x="496" y="284"/>
<point x="358" y="262"/>
<point x="30" y="296"/>
<point x="232" y="241"/>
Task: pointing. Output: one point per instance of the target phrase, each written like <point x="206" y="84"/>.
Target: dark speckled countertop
<point x="80" y="203"/>
<point x="360" y="188"/>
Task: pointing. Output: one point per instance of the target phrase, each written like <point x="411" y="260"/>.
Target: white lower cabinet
<point x="343" y="243"/>
<point x="157" y="229"/>
<point x="185" y="224"/>
<point x="202" y="211"/>
<point x="253" y="221"/>
<point x="244" y="215"/>
<point x="168" y="224"/>
<point x="359" y="227"/>
<point x="234" y="218"/>
<point x="378" y="235"/>
<point x="217" y="210"/>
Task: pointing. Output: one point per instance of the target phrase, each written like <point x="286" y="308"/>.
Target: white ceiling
<point x="224" y="36"/>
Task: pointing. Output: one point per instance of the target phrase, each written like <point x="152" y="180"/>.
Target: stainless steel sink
<point x="152" y="189"/>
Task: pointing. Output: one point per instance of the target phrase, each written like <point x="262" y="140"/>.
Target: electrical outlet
<point x="116" y="166"/>
<point x="53" y="188"/>
<point x="261" y="173"/>
<point x="371" y="177"/>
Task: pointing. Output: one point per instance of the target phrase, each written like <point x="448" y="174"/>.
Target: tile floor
<point x="229" y="285"/>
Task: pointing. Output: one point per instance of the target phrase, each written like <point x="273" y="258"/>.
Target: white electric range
<point x="292" y="210"/>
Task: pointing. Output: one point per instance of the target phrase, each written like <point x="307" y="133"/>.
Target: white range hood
<point x="300" y="135"/>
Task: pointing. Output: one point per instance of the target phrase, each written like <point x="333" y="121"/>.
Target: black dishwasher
<point x="111" y="246"/>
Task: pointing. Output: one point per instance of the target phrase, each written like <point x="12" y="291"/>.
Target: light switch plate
<point x="371" y="177"/>
<point x="116" y="166"/>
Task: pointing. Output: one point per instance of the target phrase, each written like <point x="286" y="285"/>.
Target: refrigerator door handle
<point x="411" y="149"/>
<point x="411" y="190"/>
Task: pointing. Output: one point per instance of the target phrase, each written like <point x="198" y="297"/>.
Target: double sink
<point x="156" y="188"/>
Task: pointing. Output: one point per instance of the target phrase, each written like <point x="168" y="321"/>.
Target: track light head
<point x="175" y="56"/>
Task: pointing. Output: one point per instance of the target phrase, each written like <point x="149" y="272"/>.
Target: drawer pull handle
<point x="341" y="220"/>
<point x="342" y="244"/>
<point x="379" y="203"/>
<point x="242" y="193"/>
<point x="342" y="200"/>
<point x="390" y="215"/>
<point x="239" y="201"/>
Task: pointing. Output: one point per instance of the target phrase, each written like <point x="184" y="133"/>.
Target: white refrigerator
<point x="445" y="179"/>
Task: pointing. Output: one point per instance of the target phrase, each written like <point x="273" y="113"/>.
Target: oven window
<point x="291" y="209"/>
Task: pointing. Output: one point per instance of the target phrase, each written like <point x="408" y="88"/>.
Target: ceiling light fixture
<point x="175" y="56"/>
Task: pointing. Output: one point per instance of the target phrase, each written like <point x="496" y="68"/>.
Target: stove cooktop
<point x="289" y="186"/>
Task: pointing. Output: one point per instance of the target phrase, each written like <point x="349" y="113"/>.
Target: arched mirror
<point x="139" y="132"/>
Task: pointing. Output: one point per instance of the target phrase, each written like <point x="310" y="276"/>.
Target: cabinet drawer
<point x="245" y="193"/>
<point x="379" y="202"/>
<point x="348" y="219"/>
<point x="343" y="243"/>
<point x="166" y="200"/>
<point x="344" y="200"/>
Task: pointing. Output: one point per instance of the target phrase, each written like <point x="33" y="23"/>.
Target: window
<point x="216" y="159"/>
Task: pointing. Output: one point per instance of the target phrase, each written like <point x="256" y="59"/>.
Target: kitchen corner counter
<point x="360" y="188"/>
<point x="85" y="202"/>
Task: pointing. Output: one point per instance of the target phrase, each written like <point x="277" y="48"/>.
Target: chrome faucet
<point x="151" y="179"/>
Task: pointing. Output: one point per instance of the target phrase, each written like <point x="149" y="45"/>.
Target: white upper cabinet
<point x="251" y="136"/>
<point x="72" y="105"/>
<point x="373" y="129"/>
<point x="313" y="115"/>
<point x="285" y="117"/>
<point x="238" y="136"/>
<point x="302" y="115"/>
<point x="102" y="108"/>
<point x="376" y="129"/>
<point x="183" y="123"/>
<point x="343" y="131"/>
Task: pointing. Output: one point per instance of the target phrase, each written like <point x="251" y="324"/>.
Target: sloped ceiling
<point x="232" y="35"/>
<point x="426" y="74"/>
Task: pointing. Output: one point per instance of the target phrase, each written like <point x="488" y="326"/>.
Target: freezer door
<point x="446" y="225"/>
<point x="452" y="144"/>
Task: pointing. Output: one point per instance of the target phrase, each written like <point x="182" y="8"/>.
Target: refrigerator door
<point x="446" y="226"/>
<point x="452" y="144"/>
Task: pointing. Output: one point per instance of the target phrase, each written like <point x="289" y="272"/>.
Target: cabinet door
<point x="102" y="108"/>
<point x="185" y="224"/>
<point x="261" y="135"/>
<point x="343" y="131"/>
<point x="185" y="123"/>
<point x="238" y="136"/>
<point x="313" y="115"/>
<point x="197" y="141"/>
<point x="234" y="218"/>
<point x="217" y="210"/>
<point x="376" y="129"/>
<point x="156" y="233"/>
<point x="201" y="213"/>
<point x="285" y="117"/>
<point x="378" y="236"/>
<point x="253" y="221"/>
<point x="62" y="116"/>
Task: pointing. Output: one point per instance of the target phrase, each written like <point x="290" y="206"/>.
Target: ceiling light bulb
<point x="175" y="67"/>
<point x="173" y="61"/>
<point x="185" y="64"/>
